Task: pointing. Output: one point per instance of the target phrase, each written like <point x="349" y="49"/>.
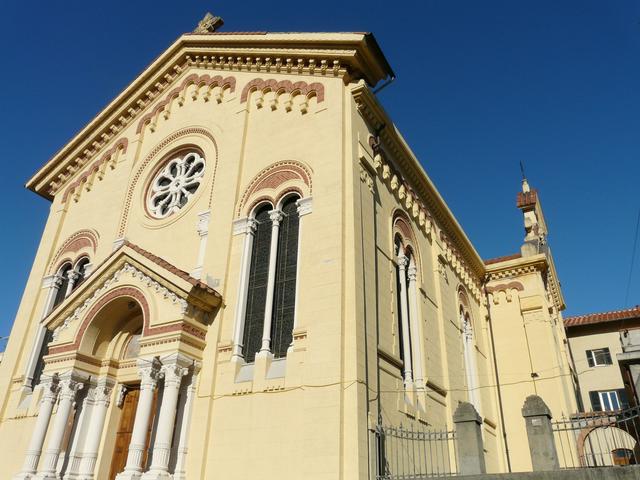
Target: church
<point x="246" y="271"/>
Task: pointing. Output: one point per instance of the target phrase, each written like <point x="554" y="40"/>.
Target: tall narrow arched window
<point x="44" y="350"/>
<point x="80" y="271"/>
<point x="63" y="274"/>
<point x="469" y="354"/>
<point x="257" y="284"/>
<point x="404" y="322"/>
<point x="284" y="301"/>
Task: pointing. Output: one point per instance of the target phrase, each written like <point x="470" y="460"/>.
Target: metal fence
<point x="405" y="453"/>
<point x="598" y="439"/>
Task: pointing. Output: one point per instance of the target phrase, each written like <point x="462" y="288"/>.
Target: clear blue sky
<point x="481" y="86"/>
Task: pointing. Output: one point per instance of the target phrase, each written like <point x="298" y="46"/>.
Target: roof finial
<point x="209" y="24"/>
<point x="525" y="184"/>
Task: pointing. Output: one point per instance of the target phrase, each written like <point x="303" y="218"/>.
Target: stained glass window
<point x="284" y="301"/>
<point x="257" y="288"/>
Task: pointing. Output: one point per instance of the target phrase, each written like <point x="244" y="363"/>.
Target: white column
<point x="73" y="278"/>
<point x="304" y="208"/>
<point x="248" y="226"/>
<point x="149" y="371"/>
<point x="52" y="284"/>
<point x="404" y="318"/>
<point x="416" y="340"/>
<point x="69" y="386"/>
<point x="101" y="399"/>
<point x="159" y="469"/>
<point x="188" y="389"/>
<point x="276" y="217"/>
<point x="83" y="416"/>
<point x="49" y="397"/>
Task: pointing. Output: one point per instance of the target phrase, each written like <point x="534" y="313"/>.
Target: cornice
<point x="346" y="56"/>
<point x="399" y="167"/>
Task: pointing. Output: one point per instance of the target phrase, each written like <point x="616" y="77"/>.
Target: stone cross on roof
<point x="209" y="24"/>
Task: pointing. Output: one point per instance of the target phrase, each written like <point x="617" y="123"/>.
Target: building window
<point x="284" y="301"/>
<point x="63" y="275"/>
<point x="44" y="350"/>
<point x="80" y="271"/>
<point x="599" y="357"/>
<point x="175" y="183"/>
<point x="608" y="400"/>
<point x="469" y="352"/>
<point x="257" y="289"/>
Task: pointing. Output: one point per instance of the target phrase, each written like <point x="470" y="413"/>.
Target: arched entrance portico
<point x="131" y="341"/>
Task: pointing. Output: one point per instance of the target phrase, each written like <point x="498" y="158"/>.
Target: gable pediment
<point x="132" y="271"/>
<point x="349" y="56"/>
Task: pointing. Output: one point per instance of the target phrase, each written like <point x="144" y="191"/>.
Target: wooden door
<point x="123" y="435"/>
<point x="125" y="429"/>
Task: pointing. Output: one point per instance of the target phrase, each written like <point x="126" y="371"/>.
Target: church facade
<point x="245" y="269"/>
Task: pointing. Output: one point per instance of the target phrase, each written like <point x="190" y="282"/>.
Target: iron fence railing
<point x="598" y="439"/>
<point x="415" y="453"/>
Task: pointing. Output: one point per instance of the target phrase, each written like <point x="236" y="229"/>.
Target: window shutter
<point x="595" y="401"/>
<point x="590" y="358"/>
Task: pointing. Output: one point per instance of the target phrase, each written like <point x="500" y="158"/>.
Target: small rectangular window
<point x="599" y="357"/>
<point x="609" y="400"/>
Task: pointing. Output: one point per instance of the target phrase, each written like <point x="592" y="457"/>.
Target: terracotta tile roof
<point x="502" y="259"/>
<point x="173" y="269"/>
<point x="612" y="316"/>
<point x="527" y="199"/>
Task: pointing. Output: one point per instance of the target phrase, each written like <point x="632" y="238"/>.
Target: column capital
<point x="412" y="273"/>
<point x="101" y="393"/>
<point x="149" y="372"/>
<point x="173" y="374"/>
<point x="402" y="261"/>
<point x="304" y="206"/>
<point x="72" y="275"/>
<point x="246" y="225"/>
<point x="50" y="388"/>
<point x="276" y="216"/>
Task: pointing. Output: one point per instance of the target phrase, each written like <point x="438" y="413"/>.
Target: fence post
<point x="469" y="446"/>
<point x="542" y="445"/>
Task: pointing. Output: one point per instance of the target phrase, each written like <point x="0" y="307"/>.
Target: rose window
<point x="175" y="184"/>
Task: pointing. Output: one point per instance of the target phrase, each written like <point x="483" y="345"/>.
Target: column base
<point x="129" y="475"/>
<point x="46" y="476"/>
<point x="157" y="475"/>
<point x="23" y="476"/>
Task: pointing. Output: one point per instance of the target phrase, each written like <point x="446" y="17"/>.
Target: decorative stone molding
<point x="284" y="93"/>
<point x="74" y="243"/>
<point x="274" y="176"/>
<point x="143" y="165"/>
<point x="216" y="84"/>
<point x="305" y="206"/>
<point x="96" y="171"/>
<point x="503" y="287"/>
<point x="244" y="225"/>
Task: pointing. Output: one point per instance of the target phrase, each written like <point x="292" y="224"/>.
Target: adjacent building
<point x="245" y="270"/>
<point x="606" y="354"/>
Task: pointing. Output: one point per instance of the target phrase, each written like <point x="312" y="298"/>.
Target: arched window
<point x="284" y="301"/>
<point x="408" y="317"/>
<point x="469" y="354"/>
<point x="271" y="280"/>
<point x="81" y="271"/>
<point x="63" y="275"/>
<point x="257" y="285"/>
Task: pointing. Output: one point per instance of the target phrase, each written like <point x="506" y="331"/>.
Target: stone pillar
<point x="69" y="387"/>
<point x="101" y="400"/>
<point x="188" y="389"/>
<point x="469" y="445"/>
<point x="542" y="445"/>
<point x="49" y="396"/>
<point x="404" y="318"/>
<point x="173" y="373"/>
<point x="74" y="449"/>
<point x="249" y="227"/>
<point x="149" y="371"/>
<point x="412" y="275"/>
<point x="276" y="218"/>
<point x="203" y="231"/>
<point x="73" y="278"/>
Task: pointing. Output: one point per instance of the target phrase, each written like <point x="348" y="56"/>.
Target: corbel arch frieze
<point x="96" y="172"/>
<point x="274" y="182"/>
<point x="77" y="243"/>
<point x="284" y="92"/>
<point x="206" y="87"/>
<point x="503" y="290"/>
